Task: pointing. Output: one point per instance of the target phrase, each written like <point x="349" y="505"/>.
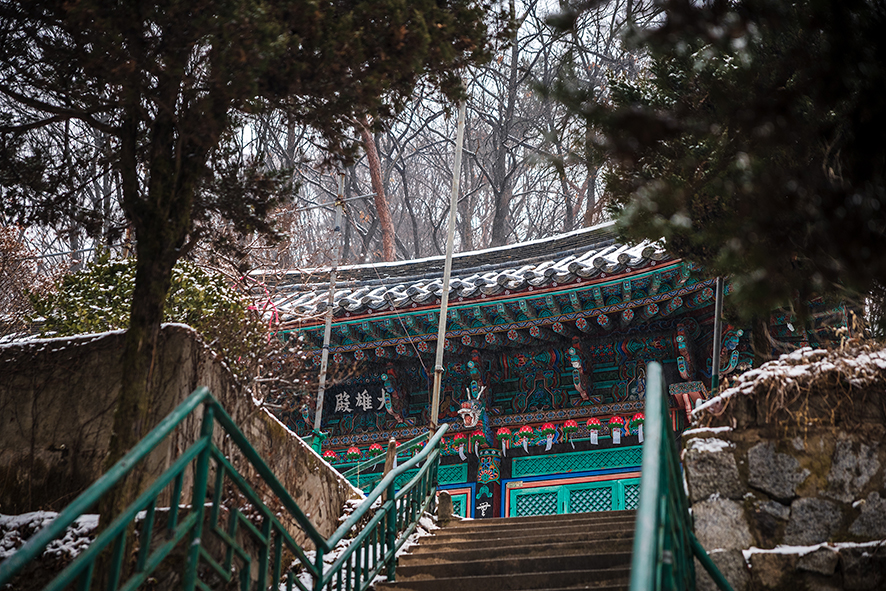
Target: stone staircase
<point x="550" y="552"/>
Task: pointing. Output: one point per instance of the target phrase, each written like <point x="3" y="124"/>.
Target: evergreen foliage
<point x="163" y="84"/>
<point x="98" y="298"/>
<point x="754" y="145"/>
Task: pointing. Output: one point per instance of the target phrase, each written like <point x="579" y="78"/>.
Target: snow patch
<point x="698" y="430"/>
<point x="711" y="445"/>
<point x="16" y="529"/>
<point x="804" y="550"/>
<point x="425" y="527"/>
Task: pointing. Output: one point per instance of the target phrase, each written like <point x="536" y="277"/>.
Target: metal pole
<point x="715" y="356"/>
<point x="447" y="269"/>
<point x="327" y="329"/>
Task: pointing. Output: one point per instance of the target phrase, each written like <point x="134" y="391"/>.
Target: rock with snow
<point x="780" y="389"/>
<point x="16" y="529"/>
<point x="711" y="469"/>
<point x="769" y="519"/>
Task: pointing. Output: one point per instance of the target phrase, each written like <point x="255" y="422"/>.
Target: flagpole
<point x="327" y="329"/>
<point x="447" y="269"/>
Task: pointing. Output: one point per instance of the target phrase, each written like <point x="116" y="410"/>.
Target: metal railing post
<point x="201" y="480"/>
<point x="664" y="559"/>
<point x="318" y="562"/>
<point x="391" y="533"/>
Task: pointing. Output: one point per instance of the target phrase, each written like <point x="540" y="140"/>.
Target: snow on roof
<point x="582" y="254"/>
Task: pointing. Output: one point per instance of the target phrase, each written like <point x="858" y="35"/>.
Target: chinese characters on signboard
<point x="359" y="399"/>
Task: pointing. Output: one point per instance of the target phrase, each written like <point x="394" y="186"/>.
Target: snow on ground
<point x="859" y="366"/>
<point x="16" y="529"/>
<point x="426" y="526"/>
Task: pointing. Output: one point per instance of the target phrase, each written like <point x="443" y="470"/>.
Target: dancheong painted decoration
<point x="546" y="348"/>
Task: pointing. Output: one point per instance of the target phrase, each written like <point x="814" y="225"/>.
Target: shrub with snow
<point x="98" y="299"/>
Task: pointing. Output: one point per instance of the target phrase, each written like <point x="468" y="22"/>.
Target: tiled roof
<point x="587" y="253"/>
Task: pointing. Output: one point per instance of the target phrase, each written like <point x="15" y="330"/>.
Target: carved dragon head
<point x="472" y="409"/>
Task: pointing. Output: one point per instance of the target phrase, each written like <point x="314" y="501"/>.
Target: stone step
<point x="440" y="542"/>
<point x="590" y="524"/>
<point x="511" y="565"/>
<point x="601" y="528"/>
<point x="437" y="554"/>
<point x="543" y="519"/>
<point x="597" y="579"/>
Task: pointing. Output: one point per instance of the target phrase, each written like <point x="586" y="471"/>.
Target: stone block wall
<point x="790" y="493"/>
<point x="57" y="401"/>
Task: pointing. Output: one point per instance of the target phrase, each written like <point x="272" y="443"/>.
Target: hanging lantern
<point x="523" y="435"/>
<point x="570" y="427"/>
<point x="504" y="436"/>
<point x="459" y="442"/>
<point x="354" y="453"/>
<point x="637" y="423"/>
<point x="477" y="438"/>
<point x="330" y="456"/>
<point x="548" y="430"/>
<point x="616" y="424"/>
<point x="375" y="449"/>
<point x="594" y="425"/>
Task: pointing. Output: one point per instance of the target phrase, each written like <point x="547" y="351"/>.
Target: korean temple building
<point x="547" y="341"/>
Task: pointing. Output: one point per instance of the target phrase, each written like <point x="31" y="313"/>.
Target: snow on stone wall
<point x="786" y="473"/>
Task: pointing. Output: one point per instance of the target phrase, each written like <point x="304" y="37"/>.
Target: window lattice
<point x="577" y="462"/>
<point x="457" y="508"/>
<point x="542" y="503"/>
<point x="404" y="478"/>
<point x="452" y="474"/>
<point x="632" y="496"/>
<point x="587" y="500"/>
<point x="366" y="482"/>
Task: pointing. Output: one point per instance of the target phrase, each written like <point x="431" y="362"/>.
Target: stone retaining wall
<point x="56" y="410"/>
<point x="791" y="493"/>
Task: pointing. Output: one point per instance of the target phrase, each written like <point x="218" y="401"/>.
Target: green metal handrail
<point x="373" y="549"/>
<point x="664" y="543"/>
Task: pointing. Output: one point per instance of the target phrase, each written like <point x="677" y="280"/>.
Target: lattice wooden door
<point x="607" y="495"/>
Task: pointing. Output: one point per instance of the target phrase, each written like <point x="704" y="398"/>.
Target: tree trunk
<point x="161" y="216"/>
<point x="591" y="200"/>
<point x="381" y="203"/>
<point x="569" y="218"/>
<point x="501" y="190"/>
<point x="407" y="201"/>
